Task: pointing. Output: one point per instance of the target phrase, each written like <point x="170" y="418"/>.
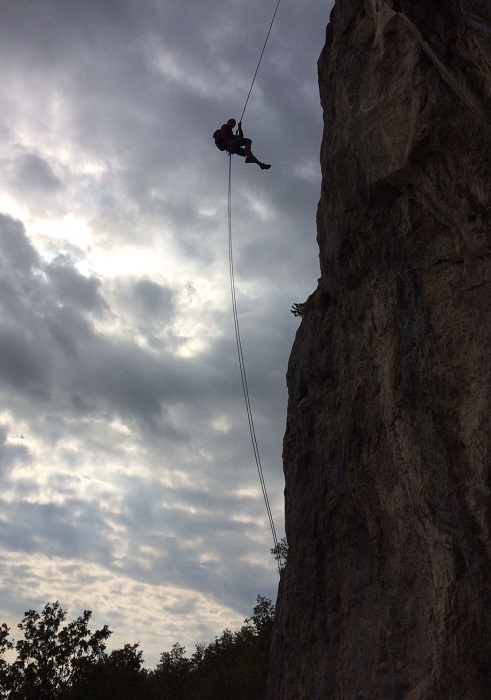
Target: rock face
<point x="387" y="590"/>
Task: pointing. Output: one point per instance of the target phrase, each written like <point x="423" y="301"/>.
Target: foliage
<point x="280" y="553"/>
<point x="52" y="655"/>
<point x="172" y="672"/>
<point x="5" y="645"/>
<point x="232" y="667"/>
<point x="299" y="309"/>
<point x="235" y="665"/>
<point x="60" y="661"/>
<point x="117" y="675"/>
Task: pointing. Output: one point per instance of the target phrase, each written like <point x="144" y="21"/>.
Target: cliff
<point x="387" y="589"/>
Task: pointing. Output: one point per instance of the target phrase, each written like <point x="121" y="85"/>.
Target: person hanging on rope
<point x="238" y="144"/>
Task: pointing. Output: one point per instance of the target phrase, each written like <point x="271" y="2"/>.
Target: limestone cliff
<point x="387" y="590"/>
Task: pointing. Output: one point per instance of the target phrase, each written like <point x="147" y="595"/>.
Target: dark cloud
<point x="49" y="325"/>
<point x="34" y="173"/>
<point x="71" y="287"/>
<point x="151" y="303"/>
<point x="17" y="255"/>
<point x="21" y="365"/>
<point x="74" y="530"/>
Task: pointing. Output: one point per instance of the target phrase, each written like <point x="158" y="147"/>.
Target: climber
<point x="238" y="144"/>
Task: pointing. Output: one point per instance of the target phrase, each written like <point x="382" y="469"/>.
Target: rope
<point x="243" y="375"/>
<point x="260" y="58"/>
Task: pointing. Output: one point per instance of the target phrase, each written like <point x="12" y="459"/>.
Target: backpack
<point x="219" y="140"/>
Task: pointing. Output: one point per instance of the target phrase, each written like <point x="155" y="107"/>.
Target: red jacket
<point x="227" y="133"/>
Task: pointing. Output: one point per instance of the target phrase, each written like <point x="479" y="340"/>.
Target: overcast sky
<point x="128" y="484"/>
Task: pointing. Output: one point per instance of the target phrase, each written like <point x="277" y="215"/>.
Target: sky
<point x="128" y="484"/>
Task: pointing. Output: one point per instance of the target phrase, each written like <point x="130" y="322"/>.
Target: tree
<point x="66" y="661"/>
<point x="119" y="675"/>
<point x="280" y="553"/>
<point x="172" y="673"/>
<point x="53" y="655"/>
<point x="235" y="665"/>
<point x="5" y="645"/>
<point x="262" y="618"/>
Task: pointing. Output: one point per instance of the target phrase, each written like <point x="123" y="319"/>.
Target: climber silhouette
<point x="238" y="144"/>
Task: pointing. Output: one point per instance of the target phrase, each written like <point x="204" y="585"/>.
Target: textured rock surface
<point x="387" y="592"/>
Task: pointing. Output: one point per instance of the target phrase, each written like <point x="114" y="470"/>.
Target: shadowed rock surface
<point x="387" y="590"/>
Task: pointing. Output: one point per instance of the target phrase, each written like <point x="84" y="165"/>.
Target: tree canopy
<point x="56" y="660"/>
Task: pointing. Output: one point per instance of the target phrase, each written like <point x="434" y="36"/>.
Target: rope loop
<point x="243" y="375"/>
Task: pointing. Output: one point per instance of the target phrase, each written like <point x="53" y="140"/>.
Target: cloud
<point x="73" y="288"/>
<point x="11" y="454"/>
